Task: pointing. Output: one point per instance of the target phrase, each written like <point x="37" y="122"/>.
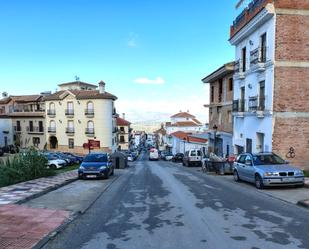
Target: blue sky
<point x="152" y="54"/>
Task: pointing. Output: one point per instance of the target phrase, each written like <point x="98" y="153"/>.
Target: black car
<point x="178" y="157"/>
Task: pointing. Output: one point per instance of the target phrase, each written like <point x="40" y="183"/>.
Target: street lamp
<point x="215" y="128"/>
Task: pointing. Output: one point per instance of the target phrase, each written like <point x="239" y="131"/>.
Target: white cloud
<point x="131" y="42"/>
<point x="146" y="81"/>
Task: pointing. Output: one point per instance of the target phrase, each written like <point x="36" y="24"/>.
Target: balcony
<point x="17" y="129"/>
<point x="51" y="112"/>
<point x="69" y="112"/>
<point x="70" y="130"/>
<point x="258" y="57"/>
<point x="89" y="132"/>
<point x="89" y="112"/>
<point x="51" y="129"/>
<point x="35" y="130"/>
<point x="115" y="130"/>
<point x="239" y="107"/>
<point x="247" y="15"/>
<point x="238" y="68"/>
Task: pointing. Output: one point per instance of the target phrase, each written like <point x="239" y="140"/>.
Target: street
<point x="164" y="205"/>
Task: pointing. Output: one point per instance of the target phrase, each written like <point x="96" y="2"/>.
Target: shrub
<point x="23" y="167"/>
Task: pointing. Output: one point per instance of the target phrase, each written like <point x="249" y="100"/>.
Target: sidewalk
<point x="26" y="190"/>
<point x="23" y="227"/>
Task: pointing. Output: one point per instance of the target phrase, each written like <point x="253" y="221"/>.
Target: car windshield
<point x="267" y="159"/>
<point x="96" y="158"/>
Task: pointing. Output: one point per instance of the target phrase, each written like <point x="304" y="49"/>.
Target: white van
<point x="153" y="154"/>
<point x="192" y="157"/>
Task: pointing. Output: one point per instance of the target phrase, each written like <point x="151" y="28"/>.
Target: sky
<point x="152" y="54"/>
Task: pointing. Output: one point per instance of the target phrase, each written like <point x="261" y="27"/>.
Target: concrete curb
<point x="45" y="191"/>
<point x="73" y="217"/>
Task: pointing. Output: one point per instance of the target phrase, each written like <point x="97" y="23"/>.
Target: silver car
<point x="266" y="169"/>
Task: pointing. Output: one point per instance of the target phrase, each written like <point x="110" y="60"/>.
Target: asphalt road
<point x="162" y="205"/>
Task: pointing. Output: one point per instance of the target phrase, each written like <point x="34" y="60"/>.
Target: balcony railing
<point x="35" y="129"/>
<point x="17" y="129"/>
<point x="239" y="105"/>
<point x="51" y="112"/>
<point x="51" y="129"/>
<point x="69" y="112"/>
<point x="89" y="131"/>
<point x="247" y="14"/>
<point x="256" y="103"/>
<point x="258" y="55"/>
<point x="70" y="130"/>
<point x="89" y="112"/>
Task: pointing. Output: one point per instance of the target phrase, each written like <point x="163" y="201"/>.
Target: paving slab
<point x="23" y="227"/>
<point x="20" y="192"/>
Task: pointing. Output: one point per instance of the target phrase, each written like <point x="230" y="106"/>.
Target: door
<point x="248" y="170"/>
<point x="241" y="165"/>
<point x="248" y="145"/>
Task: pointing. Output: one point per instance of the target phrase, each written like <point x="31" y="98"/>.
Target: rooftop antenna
<point x="4" y="94"/>
<point x="76" y="78"/>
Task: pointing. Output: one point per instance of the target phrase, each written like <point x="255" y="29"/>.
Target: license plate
<point x="288" y="179"/>
<point x="91" y="176"/>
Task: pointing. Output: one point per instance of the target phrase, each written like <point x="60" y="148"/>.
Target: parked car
<point x="162" y="154"/>
<point x="55" y="163"/>
<point x="192" y="157"/>
<point x="153" y="154"/>
<point x="78" y="159"/>
<point x="266" y="169"/>
<point x="57" y="156"/>
<point x="178" y="157"/>
<point x="96" y="165"/>
<point x="168" y="156"/>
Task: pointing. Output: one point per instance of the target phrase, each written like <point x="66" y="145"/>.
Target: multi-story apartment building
<point x="271" y="91"/>
<point x="25" y="117"/>
<point x="77" y="114"/>
<point x="220" y="109"/>
<point x="124" y="133"/>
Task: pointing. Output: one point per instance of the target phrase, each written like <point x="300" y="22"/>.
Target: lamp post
<point x="184" y="145"/>
<point x="215" y="128"/>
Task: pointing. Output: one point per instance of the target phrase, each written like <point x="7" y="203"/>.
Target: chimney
<point x="123" y="115"/>
<point x="101" y="87"/>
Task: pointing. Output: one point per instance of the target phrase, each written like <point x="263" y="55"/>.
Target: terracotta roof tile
<point x="122" y="122"/>
<point x="183" y="115"/>
<point x="81" y="94"/>
<point x="188" y="137"/>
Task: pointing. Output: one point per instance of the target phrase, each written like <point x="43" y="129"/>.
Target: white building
<point x="184" y="121"/>
<point x="6" y="131"/>
<point x="253" y="82"/>
<point x="182" y="142"/>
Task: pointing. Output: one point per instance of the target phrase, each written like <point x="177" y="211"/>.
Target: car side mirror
<point x="248" y="163"/>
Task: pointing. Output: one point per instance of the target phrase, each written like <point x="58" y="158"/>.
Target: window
<point x="263" y="48"/>
<point x="18" y="127"/>
<point x="51" y="106"/>
<point x="122" y="140"/>
<point x="71" y="143"/>
<point x="212" y="94"/>
<point x="41" y="129"/>
<point x="220" y="90"/>
<point x="30" y="125"/>
<point x="122" y="129"/>
<point x="90" y="127"/>
<point x="52" y="124"/>
<point x="219" y="110"/>
<point x="90" y="106"/>
<point x="36" y="141"/>
<point x="244" y="58"/>
<point x="230" y="84"/>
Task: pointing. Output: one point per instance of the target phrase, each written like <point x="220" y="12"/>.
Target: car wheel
<point x="106" y="175"/>
<point x="236" y="176"/>
<point x="258" y="182"/>
<point x="52" y="166"/>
